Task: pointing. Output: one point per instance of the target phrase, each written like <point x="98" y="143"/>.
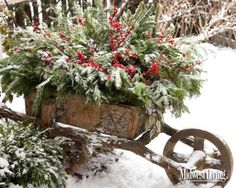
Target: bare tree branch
<point x="201" y="18"/>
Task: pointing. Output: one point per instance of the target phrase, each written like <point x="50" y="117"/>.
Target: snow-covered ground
<point x="214" y="111"/>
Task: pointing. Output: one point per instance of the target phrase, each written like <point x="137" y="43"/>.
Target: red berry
<point x="108" y="76"/>
<point x="117" y="55"/>
<point x="154" y="69"/>
<point x="148" y="35"/>
<point x="127" y="52"/>
<point x="171" y="41"/>
<point x="131" y="70"/>
<point x="81" y="57"/>
<point x="80" y="21"/>
<point x="132" y="26"/>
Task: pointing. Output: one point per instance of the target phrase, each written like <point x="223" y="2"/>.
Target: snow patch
<point x="3" y="163"/>
<point x="195" y="157"/>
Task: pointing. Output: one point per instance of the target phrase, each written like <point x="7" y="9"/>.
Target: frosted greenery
<point x="131" y="60"/>
<point x="29" y="157"/>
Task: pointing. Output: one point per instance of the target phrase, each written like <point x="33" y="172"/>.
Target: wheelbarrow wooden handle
<point x="167" y="129"/>
<point x="108" y="141"/>
<point x="145" y="138"/>
<point x="97" y="139"/>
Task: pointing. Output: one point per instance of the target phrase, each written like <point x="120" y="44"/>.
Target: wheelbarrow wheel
<point x="219" y="159"/>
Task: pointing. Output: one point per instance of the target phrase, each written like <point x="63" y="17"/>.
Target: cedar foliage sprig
<point x="30" y="158"/>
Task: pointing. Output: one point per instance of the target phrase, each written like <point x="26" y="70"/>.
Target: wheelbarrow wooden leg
<point x="76" y="156"/>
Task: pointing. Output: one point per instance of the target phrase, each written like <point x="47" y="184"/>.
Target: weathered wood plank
<point x="120" y="120"/>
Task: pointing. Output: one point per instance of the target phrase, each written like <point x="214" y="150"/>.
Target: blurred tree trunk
<point x="45" y="6"/>
<point x="19" y="15"/>
<point x="85" y="4"/>
<point x="64" y="9"/>
<point x="133" y="4"/>
<point x="28" y="14"/>
<point x="116" y="2"/>
<point x="35" y="9"/>
<point x="71" y="7"/>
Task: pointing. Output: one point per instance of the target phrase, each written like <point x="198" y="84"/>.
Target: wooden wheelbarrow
<point x="176" y="165"/>
<point x="201" y="166"/>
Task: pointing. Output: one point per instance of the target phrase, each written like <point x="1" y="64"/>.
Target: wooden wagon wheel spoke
<point x="197" y="159"/>
<point x="219" y="160"/>
<point x="216" y="155"/>
<point x="213" y="163"/>
<point x="179" y="157"/>
<point x="198" y="143"/>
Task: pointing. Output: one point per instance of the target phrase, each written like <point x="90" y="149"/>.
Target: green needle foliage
<point x="130" y="60"/>
<point x="29" y="157"/>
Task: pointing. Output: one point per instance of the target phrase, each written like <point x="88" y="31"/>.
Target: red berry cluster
<point x="154" y="70"/>
<point x="46" y="57"/>
<point x="131" y="70"/>
<point x="36" y="27"/>
<point x="82" y="58"/>
<point x="119" y="34"/>
<point x="109" y="76"/>
<point x="163" y="38"/>
<point x="148" y="35"/>
<point x="190" y="67"/>
<point x="80" y="21"/>
<point x="187" y="68"/>
<point x="118" y="57"/>
<point x="117" y="64"/>
<point x="131" y="55"/>
<point x="94" y="65"/>
<point x="116" y="25"/>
